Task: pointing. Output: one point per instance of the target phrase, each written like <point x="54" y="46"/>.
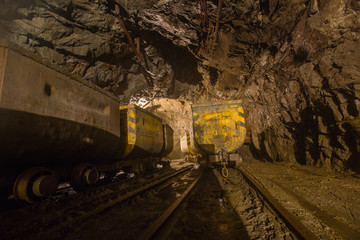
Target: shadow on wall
<point x="176" y="152"/>
<point x="248" y="152"/>
<point x="324" y="141"/>
<point x="184" y="64"/>
<point x="318" y="140"/>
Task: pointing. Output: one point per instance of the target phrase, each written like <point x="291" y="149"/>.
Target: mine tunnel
<point x="179" y="119"/>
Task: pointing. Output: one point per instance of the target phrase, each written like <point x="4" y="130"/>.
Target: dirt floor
<point x="326" y="202"/>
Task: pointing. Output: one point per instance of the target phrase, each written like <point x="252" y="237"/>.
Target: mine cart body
<point x="192" y="144"/>
<point x="57" y="127"/>
<point x="184" y="145"/>
<point x="48" y="117"/>
<point x="188" y="147"/>
<point x="168" y="140"/>
<point x="219" y="126"/>
<point x="142" y="133"/>
<point x="187" y="144"/>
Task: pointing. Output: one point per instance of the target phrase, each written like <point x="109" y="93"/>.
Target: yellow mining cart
<point x="143" y="136"/>
<point x="141" y="132"/>
<point x="189" y="148"/>
<point x="168" y="141"/>
<point x="219" y="129"/>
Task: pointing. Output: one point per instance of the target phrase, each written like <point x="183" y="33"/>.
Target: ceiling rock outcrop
<point x="295" y="64"/>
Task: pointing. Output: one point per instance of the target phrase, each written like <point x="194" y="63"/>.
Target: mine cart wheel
<point x="34" y="184"/>
<point x="139" y="167"/>
<point x="83" y="175"/>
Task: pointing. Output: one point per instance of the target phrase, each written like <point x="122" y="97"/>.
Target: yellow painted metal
<point x="184" y="144"/>
<point x="191" y="147"/>
<point x="141" y="134"/>
<point x="168" y="140"/>
<point x="219" y="126"/>
<point x="187" y="144"/>
<point x="191" y="142"/>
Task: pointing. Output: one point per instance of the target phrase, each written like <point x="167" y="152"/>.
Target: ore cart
<point x="219" y="130"/>
<point x="53" y="126"/>
<point x="189" y="148"/>
<point x="144" y="138"/>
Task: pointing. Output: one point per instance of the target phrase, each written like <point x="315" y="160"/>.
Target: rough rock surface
<point x="86" y="39"/>
<point x="326" y="203"/>
<point x="175" y="112"/>
<point x="294" y="63"/>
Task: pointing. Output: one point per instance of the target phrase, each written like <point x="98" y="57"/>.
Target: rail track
<point x="160" y="228"/>
<point x="47" y="219"/>
<point x="65" y="215"/>
<point x="291" y="221"/>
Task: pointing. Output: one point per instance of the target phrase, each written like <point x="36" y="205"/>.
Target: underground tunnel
<point x="179" y="119"/>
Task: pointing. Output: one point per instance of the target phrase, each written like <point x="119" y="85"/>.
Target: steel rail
<point x="291" y="221"/>
<point x="153" y="229"/>
<point x="103" y="207"/>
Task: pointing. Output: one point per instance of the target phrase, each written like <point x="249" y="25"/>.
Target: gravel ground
<point x="54" y="218"/>
<point x="326" y="202"/>
<point x="260" y="221"/>
<point x="129" y="219"/>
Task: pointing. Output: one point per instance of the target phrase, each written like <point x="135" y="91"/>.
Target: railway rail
<point x="160" y="228"/>
<point x="291" y="221"/>
<point x="77" y="208"/>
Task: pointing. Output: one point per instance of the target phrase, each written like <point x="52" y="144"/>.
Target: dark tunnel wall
<point x="294" y="63"/>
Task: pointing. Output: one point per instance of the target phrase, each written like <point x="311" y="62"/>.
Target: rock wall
<point x="294" y="63"/>
<point x="302" y="82"/>
<point x="301" y="64"/>
<point x="85" y="38"/>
